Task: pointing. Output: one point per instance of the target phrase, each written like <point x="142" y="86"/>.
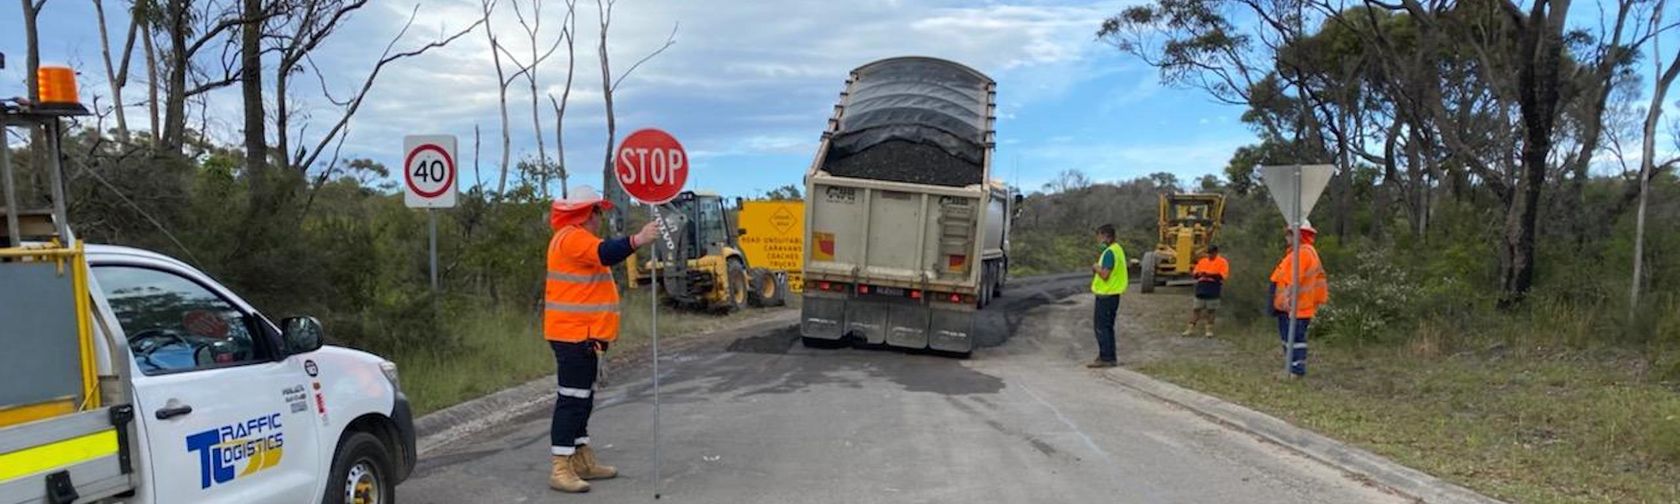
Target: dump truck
<point x="907" y="236"/>
<point x="1187" y="225"/>
<point x="129" y="376"/>
<point x="701" y="266"/>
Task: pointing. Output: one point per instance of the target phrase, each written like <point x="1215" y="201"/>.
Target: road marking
<point x="1089" y="443"/>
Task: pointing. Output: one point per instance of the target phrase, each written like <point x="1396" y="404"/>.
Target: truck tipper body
<point x="906" y="233"/>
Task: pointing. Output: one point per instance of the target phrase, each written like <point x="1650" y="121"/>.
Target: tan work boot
<point x="586" y="467"/>
<point x="1188" y="331"/>
<point x="564" y="477"/>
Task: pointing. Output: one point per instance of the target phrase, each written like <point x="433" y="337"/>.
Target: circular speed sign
<point x="651" y="166"/>
<point x="429" y="171"/>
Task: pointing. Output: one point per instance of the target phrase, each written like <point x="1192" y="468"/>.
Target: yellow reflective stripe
<point x="581" y="308"/>
<point x="566" y="277"/>
<point x="56" y="455"/>
<point x="25" y="414"/>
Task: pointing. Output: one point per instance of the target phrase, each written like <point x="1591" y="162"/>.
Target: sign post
<point x="429" y="181"/>
<point x="652" y="167"/>
<point x="1295" y="189"/>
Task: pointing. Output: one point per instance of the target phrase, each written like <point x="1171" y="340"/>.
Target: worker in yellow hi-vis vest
<point x="1108" y="282"/>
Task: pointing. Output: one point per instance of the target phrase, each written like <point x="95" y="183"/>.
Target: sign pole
<point x="651" y="166"/>
<point x="1295" y="269"/>
<point x="653" y="302"/>
<point x="431" y="217"/>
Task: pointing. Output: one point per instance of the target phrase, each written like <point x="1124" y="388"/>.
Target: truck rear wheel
<point x="1146" y="272"/>
<point x="361" y="472"/>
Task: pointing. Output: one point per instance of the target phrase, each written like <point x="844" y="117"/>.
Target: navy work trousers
<point x="575" y="367"/>
<point x="1107" y="307"/>
<point x="1297" y="349"/>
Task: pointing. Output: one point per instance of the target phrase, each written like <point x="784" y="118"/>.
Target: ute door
<point x="225" y="420"/>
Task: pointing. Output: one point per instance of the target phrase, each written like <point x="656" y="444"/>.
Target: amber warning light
<point x="57" y="85"/>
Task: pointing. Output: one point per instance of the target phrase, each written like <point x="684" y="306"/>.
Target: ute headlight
<point x="390" y="370"/>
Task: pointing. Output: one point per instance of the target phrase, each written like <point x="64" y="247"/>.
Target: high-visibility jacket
<point x="1116" y="283"/>
<point x="1212" y="266"/>
<point x="580" y="298"/>
<point x="1314" y="290"/>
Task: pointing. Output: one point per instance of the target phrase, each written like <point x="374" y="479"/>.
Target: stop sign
<point x="651" y="166"/>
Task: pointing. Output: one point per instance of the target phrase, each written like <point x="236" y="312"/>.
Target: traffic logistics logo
<point x="253" y="445"/>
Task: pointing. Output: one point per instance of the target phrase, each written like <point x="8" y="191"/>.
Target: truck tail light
<point x="956" y="298"/>
<point x="863" y="289"/>
<point x="915" y="294"/>
<point x="956" y="262"/>
<point x="823" y="286"/>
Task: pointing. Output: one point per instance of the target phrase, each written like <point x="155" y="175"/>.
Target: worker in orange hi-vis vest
<point x="580" y="319"/>
<point x="1312" y="293"/>
<point x="1210" y="273"/>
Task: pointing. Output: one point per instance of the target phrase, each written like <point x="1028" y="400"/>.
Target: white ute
<point x="128" y="376"/>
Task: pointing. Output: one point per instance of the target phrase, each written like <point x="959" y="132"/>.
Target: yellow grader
<point x="1188" y="224"/>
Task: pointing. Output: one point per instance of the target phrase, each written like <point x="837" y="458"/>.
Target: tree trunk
<point x="32" y="49"/>
<point x="614" y="193"/>
<point x="175" y="91"/>
<point x="1648" y="163"/>
<point x="151" y="79"/>
<point x="1538" y="93"/>
<point x="250" y="83"/>
<point x="116" y="82"/>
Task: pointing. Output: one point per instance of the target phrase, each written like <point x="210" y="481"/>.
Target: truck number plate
<point x="889" y="291"/>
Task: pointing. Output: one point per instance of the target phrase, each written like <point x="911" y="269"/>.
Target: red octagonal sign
<point x="651" y="166"/>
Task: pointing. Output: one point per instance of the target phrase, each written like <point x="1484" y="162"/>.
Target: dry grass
<point x="1517" y="413"/>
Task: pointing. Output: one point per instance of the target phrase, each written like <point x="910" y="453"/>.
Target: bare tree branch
<point x="670" y="40"/>
<point x="386" y="58"/>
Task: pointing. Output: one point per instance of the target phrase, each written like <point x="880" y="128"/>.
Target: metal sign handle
<point x="653" y="302"/>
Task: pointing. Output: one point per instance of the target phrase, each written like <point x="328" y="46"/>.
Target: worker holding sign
<point x="580" y="319"/>
<point x="1313" y="291"/>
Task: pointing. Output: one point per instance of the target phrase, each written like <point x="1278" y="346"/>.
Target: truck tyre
<point x="361" y="472"/>
<point x="1146" y="272"/>
<point x="736" y="297"/>
<point x="998" y="279"/>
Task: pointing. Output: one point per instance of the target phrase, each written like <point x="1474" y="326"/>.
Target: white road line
<point x="1089" y="443"/>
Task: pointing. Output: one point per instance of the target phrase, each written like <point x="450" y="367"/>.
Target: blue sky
<point x="747" y="88"/>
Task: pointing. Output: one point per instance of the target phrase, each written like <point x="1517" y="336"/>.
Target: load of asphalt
<point x="905" y="161"/>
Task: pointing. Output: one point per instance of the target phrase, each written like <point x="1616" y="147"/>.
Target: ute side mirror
<point x="301" y="334"/>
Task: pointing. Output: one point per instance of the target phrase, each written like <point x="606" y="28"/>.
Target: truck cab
<point x="130" y="376"/>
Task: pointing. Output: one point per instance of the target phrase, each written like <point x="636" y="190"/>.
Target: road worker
<point x="580" y="319"/>
<point x="1313" y="292"/>
<point x="1210" y="274"/>
<point x="1107" y="284"/>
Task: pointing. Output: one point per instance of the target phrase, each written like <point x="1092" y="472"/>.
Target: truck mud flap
<point x="907" y="326"/>
<point x="951" y="330"/>
<point x="867" y="321"/>
<point x="822" y="317"/>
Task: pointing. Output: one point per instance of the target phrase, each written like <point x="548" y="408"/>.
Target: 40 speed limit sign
<point x="429" y="172"/>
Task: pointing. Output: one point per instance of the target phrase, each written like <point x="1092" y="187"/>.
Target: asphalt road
<point x="759" y="418"/>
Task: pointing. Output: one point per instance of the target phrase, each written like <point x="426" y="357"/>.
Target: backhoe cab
<point x="701" y="265"/>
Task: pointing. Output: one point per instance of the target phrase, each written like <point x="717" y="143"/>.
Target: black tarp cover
<point x="913" y="104"/>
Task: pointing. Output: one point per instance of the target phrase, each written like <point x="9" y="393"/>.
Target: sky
<point x="747" y="87"/>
